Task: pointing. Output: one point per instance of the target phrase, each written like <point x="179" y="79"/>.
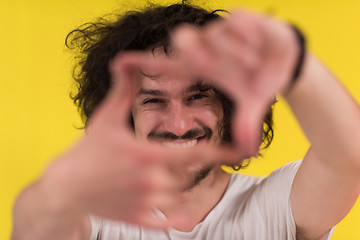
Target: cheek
<point x="144" y="123"/>
<point x="210" y="115"/>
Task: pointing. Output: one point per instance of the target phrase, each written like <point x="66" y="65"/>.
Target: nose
<point x="178" y="119"/>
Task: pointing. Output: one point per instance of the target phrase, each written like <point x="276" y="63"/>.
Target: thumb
<point x="247" y="127"/>
<point x="119" y="100"/>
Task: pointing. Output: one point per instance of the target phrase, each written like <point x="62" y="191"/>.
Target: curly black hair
<point x="97" y="43"/>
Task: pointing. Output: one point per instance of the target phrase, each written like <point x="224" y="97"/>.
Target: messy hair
<point x="97" y="43"/>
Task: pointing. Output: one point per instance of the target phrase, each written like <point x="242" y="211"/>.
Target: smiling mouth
<point x="183" y="144"/>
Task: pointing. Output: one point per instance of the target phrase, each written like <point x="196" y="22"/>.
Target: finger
<point x="246" y="26"/>
<point x="160" y="178"/>
<point x="275" y="74"/>
<point x="126" y="70"/>
<point x="211" y="59"/>
<point x="179" y="162"/>
<point x="229" y="46"/>
<point x="223" y="154"/>
<point x="194" y="52"/>
<point x="205" y="155"/>
<point x="123" y="69"/>
<point x="165" y="199"/>
<point x="247" y="127"/>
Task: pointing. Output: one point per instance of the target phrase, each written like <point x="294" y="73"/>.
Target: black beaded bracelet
<point x="301" y="57"/>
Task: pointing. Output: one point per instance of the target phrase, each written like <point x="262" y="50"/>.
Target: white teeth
<point x="189" y="144"/>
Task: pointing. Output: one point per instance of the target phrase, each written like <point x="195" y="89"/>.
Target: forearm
<point x="327" y="113"/>
<point x="37" y="217"/>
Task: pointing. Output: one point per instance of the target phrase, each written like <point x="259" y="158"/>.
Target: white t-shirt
<point x="252" y="209"/>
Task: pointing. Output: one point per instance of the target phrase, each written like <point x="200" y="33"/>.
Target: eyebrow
<point x="143" y="91"/>
<point x="198" y="86"/>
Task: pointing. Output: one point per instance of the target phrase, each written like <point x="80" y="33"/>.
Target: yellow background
<point x="38" y="119"/>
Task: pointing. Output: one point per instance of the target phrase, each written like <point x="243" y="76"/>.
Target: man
<point x="197" y="96"/>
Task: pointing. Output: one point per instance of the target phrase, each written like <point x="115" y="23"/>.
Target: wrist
<point x="56" y="187"/>
<point x="305" y="82"/>
<point x="37" y="216"/>
<point x="300" y="58"/>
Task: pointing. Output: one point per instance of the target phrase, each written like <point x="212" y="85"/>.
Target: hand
<point x="249" y="57"/>
<point x="112" y="174"/>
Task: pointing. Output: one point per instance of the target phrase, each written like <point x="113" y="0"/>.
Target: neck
<point x="200" y="200"/>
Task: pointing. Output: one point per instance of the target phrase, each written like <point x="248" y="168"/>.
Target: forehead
<point x="163" y="82"/>
<point x="170" y="85"/>
<point x="150" y="80"/>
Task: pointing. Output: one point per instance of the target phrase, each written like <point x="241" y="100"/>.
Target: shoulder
<point x="262" y="203"/>
<point x="281" y="178"/>
<point x="273" y="192"/>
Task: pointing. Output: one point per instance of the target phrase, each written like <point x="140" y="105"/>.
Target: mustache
<point x="190" y="134"/>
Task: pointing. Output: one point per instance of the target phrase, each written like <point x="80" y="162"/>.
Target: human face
<point x="177" y="113"/>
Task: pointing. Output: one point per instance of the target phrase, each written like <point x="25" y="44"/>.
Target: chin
<point x="198" y="176"/>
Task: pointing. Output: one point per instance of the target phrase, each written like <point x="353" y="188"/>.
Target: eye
<point x="152" y="101"/>
<point x="197" y="97"/>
